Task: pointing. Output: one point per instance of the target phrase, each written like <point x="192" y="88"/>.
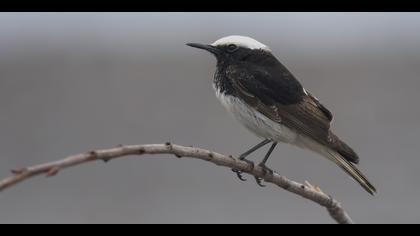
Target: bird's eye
<point x="232" y="47"/>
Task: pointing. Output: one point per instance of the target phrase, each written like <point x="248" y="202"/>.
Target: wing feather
<point x="306" y="114"/>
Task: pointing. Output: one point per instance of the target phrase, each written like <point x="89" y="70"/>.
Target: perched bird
<point x="267" y="99"/>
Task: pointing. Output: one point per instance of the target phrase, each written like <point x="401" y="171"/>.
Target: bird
<point x="266" y="98"/>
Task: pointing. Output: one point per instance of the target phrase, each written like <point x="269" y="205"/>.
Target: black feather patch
<point x="343" y="149"/>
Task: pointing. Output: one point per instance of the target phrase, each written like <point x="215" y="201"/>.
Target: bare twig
<point x="306" y="191"/>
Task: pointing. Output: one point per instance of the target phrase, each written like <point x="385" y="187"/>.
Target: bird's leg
<point x="245" y="154"/>
<point x="263" y="166"/>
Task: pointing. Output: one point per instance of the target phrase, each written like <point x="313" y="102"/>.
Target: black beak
<point x="206" y="47"/>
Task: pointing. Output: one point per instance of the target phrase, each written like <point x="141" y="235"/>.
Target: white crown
<point x="241" y="41"/>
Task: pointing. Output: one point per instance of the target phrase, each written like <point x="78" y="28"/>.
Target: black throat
<point x="221" y="81"/>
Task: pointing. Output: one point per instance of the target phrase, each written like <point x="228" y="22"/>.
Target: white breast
<point x="255" y="121"/>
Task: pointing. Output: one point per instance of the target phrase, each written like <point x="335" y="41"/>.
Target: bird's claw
<point x="259" y="181"/>
<point x="265" y="171"/>
<point x="239" y="173"/>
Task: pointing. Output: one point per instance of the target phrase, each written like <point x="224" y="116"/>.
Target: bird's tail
<point x="352" y="170"/>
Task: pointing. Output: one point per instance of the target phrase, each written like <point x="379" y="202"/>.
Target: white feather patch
<point x="241" y="41"/>
<point x="256" y="122"/>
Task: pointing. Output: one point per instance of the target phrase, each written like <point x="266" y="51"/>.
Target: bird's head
<point x="236" y="48"/>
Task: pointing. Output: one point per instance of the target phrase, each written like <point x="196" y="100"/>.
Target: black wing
<point x="280" y="97"/>
<point x="269" y="84"/>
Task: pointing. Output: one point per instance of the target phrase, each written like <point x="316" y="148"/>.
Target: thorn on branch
<point x="93" y="155"/>
<point x="209" y="156"/>
<point x="169" y="145"/>
<point x="53" y="171"/>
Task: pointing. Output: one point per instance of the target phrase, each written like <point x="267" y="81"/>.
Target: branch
<point x="304" y="190"/>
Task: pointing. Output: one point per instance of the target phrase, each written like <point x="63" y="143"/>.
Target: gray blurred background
<point x="72" y="82"/>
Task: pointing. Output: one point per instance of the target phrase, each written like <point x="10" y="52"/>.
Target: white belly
<point x="265" y="128"/>
<point x="255" y="121"/>
<point x="268" y="129"/>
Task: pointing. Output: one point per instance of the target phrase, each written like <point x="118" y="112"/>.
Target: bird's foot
<point x="266" y="170"/>
<point x="239" y="173"/>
